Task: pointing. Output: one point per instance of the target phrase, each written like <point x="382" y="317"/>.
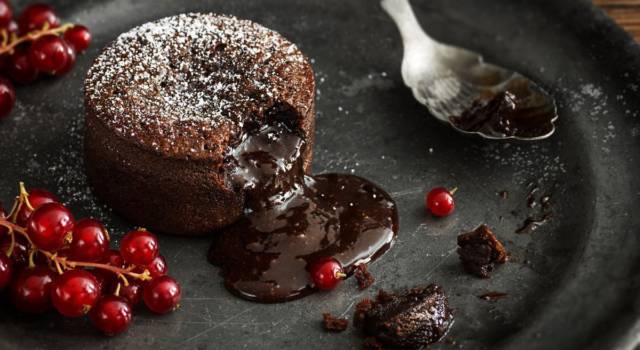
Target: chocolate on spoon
<point x="459" y="88"/>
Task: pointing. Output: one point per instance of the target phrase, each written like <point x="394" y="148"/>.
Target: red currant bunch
<point x="34" y="44"/>
<point x="48" y="260"/>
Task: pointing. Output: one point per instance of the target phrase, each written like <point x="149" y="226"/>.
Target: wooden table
<point x="625" y="12"/>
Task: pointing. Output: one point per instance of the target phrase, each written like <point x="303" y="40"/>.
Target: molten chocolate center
<point x="292" y="219"/>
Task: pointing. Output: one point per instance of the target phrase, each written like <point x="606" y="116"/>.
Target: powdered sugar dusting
<point x="191" y="71"/>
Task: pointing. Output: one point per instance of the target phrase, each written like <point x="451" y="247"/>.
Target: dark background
<point x="571" y="284"/>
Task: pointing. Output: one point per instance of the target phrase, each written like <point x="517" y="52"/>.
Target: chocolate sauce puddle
<point x="292" y="219"/>
<point x="522" y="110"/>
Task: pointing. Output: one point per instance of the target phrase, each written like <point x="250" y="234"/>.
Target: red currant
<point x="158" y="267"/>
<point x="113" y="258"/>
<point x="162" y="294"/>
<point x="5" y="60"/>
<point x="79" y="37"/>
<point x="12" y="27"/>
<point x="48" y="226"/>
<point x="31" y="289"/>
<point x="139" y="247"/>
<point x="6" y="270"/>
<point x="35" y="16"/>
<point x="107" y="280"/>
<point x="132" y="293"/>
<point x="75" y="293"/>
<point x="326" y="273"/>
<point x="111" y="315"/>
<point x="7" y="97"/>
<point x="20" y="253"/>
<point x="90" y="241"/>
<point x="6" y="14"/>
<point x="71" y="60"/>
<point x="20" y="68"/>
<point x="37" y="197"/>
<point x="102" y="277"/>
<point x="49" y="54"/>
<point x="440" y="201"/>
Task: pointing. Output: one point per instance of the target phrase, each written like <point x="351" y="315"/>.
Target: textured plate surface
<point x="572" y="283"/>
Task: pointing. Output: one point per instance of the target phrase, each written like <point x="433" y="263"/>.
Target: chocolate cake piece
<point x="167" y="101"/>
<point x="411" y="319"/>
<point x="480" y="250"/>
<point x="360" y="314"/>
<point x="364" y="278"/>
<point x="334" y="324"/>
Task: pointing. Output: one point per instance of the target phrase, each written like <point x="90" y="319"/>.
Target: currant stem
<point x="62" y="263"/>
<point x="25" y="196"/>
<point x="10" y="44"/>
<point x="15" y="228"/>
<point x="106" y="233"/>
<point x="21" y="199"/>
<point x="12" y="245"/>
<point x="14" y="209"/>
<point x="70" y="264"/>
<point x="5" y="37"/>
<point x="453" y="191"/>
<point x="32" y="262"/>
<point x="124" y="279"/>
<point x="57" y="264"/>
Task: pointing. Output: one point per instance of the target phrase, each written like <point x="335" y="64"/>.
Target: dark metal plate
<point x="571" y="284"/>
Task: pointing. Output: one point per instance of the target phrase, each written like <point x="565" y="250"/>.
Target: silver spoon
<point x="459" y="88"/>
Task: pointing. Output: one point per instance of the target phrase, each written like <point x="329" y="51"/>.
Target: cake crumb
<point x="384" y="296"/>
<point x="413" y="318"/>
<point x="334" y="324"/>
<point x="362" y="308"/>
<point x="364" y="278"/>
<point x="480" y="250"/>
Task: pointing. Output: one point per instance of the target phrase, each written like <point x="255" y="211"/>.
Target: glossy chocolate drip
<point x="493" y="296"/>
<point x="293" y="219"/>
<point x="532" y="223"/>
<point x="267" y="165"/>
<point x="522" y="110"/>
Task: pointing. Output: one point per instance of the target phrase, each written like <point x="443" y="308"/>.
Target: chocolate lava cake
<point x="166" y="103"/>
